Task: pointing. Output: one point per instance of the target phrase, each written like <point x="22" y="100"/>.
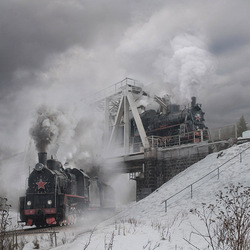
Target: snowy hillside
<point x="146" y="225"/>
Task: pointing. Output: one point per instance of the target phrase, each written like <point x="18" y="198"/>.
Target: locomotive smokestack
<point x="193" y="101"/>
<point x="42" y="158"/>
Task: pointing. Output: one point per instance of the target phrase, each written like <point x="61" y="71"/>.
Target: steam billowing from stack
<point x="51" y="128"/>
<point x="189" y="68"/>
<point x="77" y="141"/>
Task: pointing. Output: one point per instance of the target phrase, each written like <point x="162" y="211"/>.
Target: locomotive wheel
<point x="63" y="223"/>
<point x="72" y="218"/>
<point x="38" y="225"/>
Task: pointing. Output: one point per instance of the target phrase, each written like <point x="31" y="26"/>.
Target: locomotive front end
<point x="39" y="206"/>
<point x="54" y="195"/>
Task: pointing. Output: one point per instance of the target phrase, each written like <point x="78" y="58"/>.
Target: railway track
<point x="54" y="229"/>
<point x="56" y="233"/>
<point x="13" y="234"/>
<point x="29" y="231"/>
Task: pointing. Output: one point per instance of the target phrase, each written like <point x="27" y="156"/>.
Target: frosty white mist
<point x="190" y="67"/>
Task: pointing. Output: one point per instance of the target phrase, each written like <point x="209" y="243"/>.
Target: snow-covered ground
<point x="145" y="224"/>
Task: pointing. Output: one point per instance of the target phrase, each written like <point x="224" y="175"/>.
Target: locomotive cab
<point x="175" y="126"/>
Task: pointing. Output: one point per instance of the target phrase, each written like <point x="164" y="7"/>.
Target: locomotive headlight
<point x="28" y="203"/>
<point x="49" y="202"/>
<point x="39" y="167"/>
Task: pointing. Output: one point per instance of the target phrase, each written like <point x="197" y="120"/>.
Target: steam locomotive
<point x="56" y="196"/>
<point x="174" y="125"/>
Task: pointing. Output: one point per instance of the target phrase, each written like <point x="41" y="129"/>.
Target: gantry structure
<point x="151" y="166"/>
<point x="119" y="104"/>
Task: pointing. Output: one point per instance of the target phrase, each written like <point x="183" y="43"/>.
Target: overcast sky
<point x="57" y="51"/>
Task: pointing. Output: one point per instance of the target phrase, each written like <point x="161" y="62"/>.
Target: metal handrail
<point x="111" y="89"/>
<point x="163" y="142"/>
<point x="191" y="185"/>
<point x="168" y="141"/>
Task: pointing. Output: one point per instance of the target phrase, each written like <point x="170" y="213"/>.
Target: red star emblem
<point x="41" y="184"/>
<point x="198" y="117"/>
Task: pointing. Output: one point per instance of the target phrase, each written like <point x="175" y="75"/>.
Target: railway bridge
<point x="156" y="165"/>
<point x="151" y="160"/>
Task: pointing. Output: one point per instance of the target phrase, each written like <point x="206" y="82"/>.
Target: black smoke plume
<point x="51" y="128"/>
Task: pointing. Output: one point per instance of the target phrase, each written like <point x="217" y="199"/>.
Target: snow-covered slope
<point x="146" y="225"/>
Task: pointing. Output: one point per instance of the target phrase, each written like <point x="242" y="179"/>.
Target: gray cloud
<point x="34" y="32"/>
<point x="56" y="52"/>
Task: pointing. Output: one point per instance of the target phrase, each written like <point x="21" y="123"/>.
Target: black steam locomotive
<point x="56" y="196"/>
<point x="173" y="125"/>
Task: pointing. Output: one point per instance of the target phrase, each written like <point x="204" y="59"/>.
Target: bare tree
<point x="227" y="222"/>
<point x="4" y="223"/>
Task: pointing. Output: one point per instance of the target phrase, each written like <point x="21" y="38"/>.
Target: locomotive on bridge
<point x="56" y="196"/>
<point x="173" y="125"/>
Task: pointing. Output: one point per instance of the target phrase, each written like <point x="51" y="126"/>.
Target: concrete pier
<point x="157" y="165"/>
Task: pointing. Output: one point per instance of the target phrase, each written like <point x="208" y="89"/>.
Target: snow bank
<point x="146" y="225"/>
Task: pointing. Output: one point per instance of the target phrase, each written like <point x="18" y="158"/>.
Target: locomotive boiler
<point x="56" y="196"/>
<point x="173" y="125"/>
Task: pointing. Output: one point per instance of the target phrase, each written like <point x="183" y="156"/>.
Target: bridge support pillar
<point x="151" y="177"/>
<point x="161" y="165"/>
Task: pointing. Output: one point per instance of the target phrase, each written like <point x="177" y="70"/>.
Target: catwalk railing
<point x="166" y="141"/>
<point x="111" y="90"/>
<point x="224" y="133"/>
<point x="176" y="140"/>
<point x="190" y="186"/>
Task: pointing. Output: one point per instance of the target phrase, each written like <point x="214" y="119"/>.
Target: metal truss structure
<point x="119" y="105"/>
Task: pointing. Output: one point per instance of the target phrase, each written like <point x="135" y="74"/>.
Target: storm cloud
<point x="58" y="52"/>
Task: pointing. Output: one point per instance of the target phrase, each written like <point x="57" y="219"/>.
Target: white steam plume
<point x="190" y="67"/>
<point x="87" y="144"/>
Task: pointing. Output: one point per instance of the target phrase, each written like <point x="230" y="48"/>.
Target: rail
<point x="111" y="90"/>
<point x="166" y="141"/>
<point x="190" y="186"/>
<point x="13" y="234"/>
<point x="224" y="133"/>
